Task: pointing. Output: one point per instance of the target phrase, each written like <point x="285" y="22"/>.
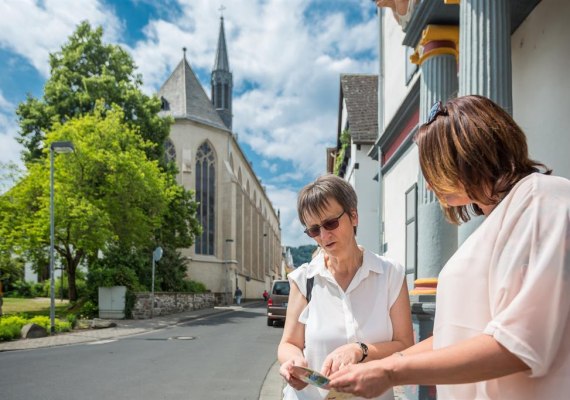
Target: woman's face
<point x="459" y="198"/>
<point x="335" y="240"/>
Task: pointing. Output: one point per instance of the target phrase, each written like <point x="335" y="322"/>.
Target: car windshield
<point x="281" y="288"/>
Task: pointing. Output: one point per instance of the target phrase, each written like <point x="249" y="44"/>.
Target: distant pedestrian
<point x="238" y="295"/>
<point x="265" y="295"/>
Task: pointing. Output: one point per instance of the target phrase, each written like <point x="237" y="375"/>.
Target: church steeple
<point x="222" y="80"/>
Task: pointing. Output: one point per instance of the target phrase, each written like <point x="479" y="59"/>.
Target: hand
<point x="341" y="357"/>
<point x="285" y="371"/>
<point x="364" y="380"/>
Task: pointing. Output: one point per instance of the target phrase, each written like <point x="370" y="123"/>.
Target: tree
<point x="86" y="71"/>
<point x="302" y="254"/>
<point x="108" y="192"/>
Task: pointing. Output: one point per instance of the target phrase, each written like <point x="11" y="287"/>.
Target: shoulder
<point x="537" y="184"/>
<point x="382" y="264"/>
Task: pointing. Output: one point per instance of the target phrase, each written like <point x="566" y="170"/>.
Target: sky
<point x="286" y="57"/>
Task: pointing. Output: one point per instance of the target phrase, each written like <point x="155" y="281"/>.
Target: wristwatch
<point x="364" y="349"/>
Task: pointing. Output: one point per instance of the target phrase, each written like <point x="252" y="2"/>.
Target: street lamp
<point x="156" y="256"/>
<point x="55" y="147"/>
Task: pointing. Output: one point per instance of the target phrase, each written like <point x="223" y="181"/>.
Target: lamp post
<point x="156" y="256"/>
<point x="55" y="147"/>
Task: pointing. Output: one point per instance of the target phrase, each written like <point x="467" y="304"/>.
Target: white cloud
<point x="10" y="148"/>
<point x="292" y="58"/>
<point x="33" y="29"/>
<point x="285" y="200"/>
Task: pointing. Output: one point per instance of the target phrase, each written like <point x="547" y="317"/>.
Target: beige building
<point x="241" y="240"/>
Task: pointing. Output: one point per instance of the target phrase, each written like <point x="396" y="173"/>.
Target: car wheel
<point x="269" y="322"/>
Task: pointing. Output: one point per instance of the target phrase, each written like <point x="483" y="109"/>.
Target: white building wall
<point x="541" y="86"/>
<point x="394" y="67"/>
<point x="368" y="234"/>
<point x="396" y="182"/>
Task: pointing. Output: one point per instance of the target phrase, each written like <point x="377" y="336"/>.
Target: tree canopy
<point x="83" y="72"/>
<point x="106" y="192"/>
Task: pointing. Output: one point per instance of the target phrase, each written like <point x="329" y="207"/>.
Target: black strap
<point x="310" y="282"/>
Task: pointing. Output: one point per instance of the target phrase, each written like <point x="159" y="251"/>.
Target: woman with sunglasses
<point x="502" y="322"/>
<point x="358" y="308"/>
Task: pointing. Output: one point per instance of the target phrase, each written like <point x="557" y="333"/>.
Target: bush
<point x="45" y="322"/>
<point x="23" y="289"/>
<point x="11" y="327"/>
<point x="9" y="332"/>
<point x="194" y="287"/>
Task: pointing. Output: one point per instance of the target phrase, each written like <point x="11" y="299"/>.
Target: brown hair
<point x="473" y="142"/>
<point x="315" y="196"/>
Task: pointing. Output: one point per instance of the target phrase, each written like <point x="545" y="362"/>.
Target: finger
<point x="326" y="369"/>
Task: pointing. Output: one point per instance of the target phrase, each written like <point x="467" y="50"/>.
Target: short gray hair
<point x="315" y="196"/>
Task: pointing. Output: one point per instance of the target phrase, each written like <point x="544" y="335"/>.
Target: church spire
<point x="222" y="80"/>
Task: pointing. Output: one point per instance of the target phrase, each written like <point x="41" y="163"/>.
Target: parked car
<point x="277" y="302"/>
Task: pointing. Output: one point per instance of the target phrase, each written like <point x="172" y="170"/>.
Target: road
<point x="224" y="356"/>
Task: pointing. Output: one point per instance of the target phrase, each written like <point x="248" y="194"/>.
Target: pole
<point x="152" y="290"/>
<point x="51" y="247"/>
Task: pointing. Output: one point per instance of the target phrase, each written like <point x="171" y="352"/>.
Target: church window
<point x="169" y="151"/>
<point x="219" y="95"/>
<point x="206" y="196"/>
<point x="226" y="96"/>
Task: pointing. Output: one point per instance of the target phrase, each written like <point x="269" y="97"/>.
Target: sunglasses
<point x="436" y="110"/>
<point x="329" y="225"/>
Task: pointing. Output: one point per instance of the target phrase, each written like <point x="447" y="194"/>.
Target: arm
<point x="290" y="350"/>
<point x="402" y="338"/>
<point x="476" y="359"/>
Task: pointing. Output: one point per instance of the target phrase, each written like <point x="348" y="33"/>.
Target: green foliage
<point x="85" y="71"/>
<point x="9" y="332"/>
<point x="22" y="288"/>
<point x="344" y="144"/>
<point x="302" y="254"/>
<point x="88" y="310"/>
<point x="193" y="287"/>
<point x="11" y="326"/>
<point x="108" y="191"/>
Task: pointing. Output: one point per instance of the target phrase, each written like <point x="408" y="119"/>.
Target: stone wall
<point x="171" y="303"/>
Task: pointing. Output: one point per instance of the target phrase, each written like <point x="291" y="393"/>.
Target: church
<point x="240" y="244"/>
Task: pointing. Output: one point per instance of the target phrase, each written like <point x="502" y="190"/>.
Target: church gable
<point x="184" y="97"/>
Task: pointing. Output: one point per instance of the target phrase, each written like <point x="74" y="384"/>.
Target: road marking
<point x="102" y="341"/>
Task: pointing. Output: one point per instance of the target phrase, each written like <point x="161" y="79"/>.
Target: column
<point x="437" y="56"/>
<point x="485" y="61"/>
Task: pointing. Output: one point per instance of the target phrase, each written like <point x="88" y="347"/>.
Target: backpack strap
<point x="310" y="282"/>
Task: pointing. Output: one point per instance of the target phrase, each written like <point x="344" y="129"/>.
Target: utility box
<point x="112" y="302"/>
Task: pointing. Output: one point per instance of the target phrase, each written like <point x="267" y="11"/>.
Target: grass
<point x="33" y="307"/>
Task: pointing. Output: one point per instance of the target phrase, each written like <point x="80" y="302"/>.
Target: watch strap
<point x="364" y="349"/>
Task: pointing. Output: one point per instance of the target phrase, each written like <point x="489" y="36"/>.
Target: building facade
<point x="513" y="52"/>
<point x="357" y="130"/>
<point x="240" y="245"/>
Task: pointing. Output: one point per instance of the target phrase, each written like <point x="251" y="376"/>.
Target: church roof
<point x="360" y="92"/>
<point x="184" y="97"/>
<point x="222" y="63"/>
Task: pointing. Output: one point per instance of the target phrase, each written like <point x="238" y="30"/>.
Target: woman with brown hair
<point x="502" y="326"/>
<point x="355" y="308"/>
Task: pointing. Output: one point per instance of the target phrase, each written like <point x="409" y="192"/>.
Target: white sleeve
<point x="396" y="278"/>
<point x="530" y="280"/>
<point x="299" y="278"/>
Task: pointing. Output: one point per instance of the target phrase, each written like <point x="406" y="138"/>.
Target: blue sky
<point x="286" y="57"/>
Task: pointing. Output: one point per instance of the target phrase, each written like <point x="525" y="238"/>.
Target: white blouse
<point x="334" y="317"/>
<point x="511" y="280"/>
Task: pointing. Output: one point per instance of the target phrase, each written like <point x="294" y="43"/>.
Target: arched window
<point x="169" y="151"/>
<point x="206" y="196"/>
